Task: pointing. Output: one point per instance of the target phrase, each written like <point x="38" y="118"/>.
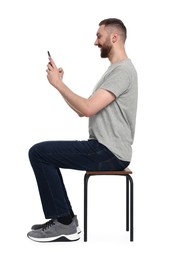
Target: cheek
<point x="101" y="43"/>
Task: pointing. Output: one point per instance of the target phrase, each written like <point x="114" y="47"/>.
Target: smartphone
<point x="50" y="57"/>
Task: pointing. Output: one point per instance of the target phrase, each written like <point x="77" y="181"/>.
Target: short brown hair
<point x="117" y="23"/>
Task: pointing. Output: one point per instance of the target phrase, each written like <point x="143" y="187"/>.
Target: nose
<point x="96" y="42"/>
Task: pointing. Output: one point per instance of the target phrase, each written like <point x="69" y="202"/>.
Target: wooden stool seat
<point x="129" y="196"/>
<point x="125" y="171"/>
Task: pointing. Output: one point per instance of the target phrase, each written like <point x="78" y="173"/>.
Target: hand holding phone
<point x="61" y="72"/>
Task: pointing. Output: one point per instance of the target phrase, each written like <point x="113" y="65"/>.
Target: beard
<point x="105" y="50"/>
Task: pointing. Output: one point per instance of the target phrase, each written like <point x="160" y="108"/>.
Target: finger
<point x="52" y="63"/>
<point x="49" y="66"/>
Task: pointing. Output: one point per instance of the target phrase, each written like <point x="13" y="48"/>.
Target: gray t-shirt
<point x="114" y="126"/>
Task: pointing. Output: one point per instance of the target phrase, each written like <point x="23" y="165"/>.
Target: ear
<point x="114" y="37"/>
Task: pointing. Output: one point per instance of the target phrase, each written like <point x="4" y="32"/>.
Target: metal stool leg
<point x="86" y="177"/>
<point x="127" y="203"/>
<point x="131" y="208"/>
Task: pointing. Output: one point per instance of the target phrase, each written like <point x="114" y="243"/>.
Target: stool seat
<point x="125" y="171"/>
<point x="129" y="196"/>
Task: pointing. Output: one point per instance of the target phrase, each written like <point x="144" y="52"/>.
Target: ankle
<point x="66" y="220"/>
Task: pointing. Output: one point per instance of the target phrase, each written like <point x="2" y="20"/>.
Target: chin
<point x="103" y="56"/>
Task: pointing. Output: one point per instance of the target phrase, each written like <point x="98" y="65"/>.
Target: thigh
<point x="87" y="155"/>
<point x="81" y="155"/>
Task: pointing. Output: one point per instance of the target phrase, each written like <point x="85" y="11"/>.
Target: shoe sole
<point x="61" y="238"/>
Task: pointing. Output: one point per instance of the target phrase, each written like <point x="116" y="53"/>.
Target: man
<point x="112" y="112"/>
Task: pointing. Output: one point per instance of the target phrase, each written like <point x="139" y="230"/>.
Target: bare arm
<point x="78" y="113"/>
<point x="83" y="106"/>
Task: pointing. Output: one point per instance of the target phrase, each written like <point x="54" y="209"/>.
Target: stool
<point x="129" y="197"/>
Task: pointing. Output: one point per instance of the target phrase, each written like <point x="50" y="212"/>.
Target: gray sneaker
<point x="39" y="226"/>
<point x="55" y="231"/>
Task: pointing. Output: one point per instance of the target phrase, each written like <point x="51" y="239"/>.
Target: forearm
<point x="78" y="113"/>
<point x="77" y="103"/>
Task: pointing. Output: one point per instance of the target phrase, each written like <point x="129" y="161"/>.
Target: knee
<point x="32" y="153"/>
<point x="37" y="150"/>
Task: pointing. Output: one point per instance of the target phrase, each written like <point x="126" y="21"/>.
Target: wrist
<point x="59" y="85"/>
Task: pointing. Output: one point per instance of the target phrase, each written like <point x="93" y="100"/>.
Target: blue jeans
<point x="48" y="157"/>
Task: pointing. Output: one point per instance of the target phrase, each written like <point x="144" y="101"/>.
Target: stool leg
<point x="86" y="177"/>
<point x="131" y="208"/>
<point x="127" y="203"/>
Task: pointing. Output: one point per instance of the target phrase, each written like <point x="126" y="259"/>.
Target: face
<point x="103" y="41"/>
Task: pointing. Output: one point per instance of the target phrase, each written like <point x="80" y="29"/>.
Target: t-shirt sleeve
<point x="117" y="82"/>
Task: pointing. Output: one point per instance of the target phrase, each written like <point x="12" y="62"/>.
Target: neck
<point x="117" y="55"/>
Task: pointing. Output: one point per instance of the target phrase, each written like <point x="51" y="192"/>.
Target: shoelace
<point x="48" y="224"/>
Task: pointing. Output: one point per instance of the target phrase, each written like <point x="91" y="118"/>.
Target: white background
<point x="32" y="111"/>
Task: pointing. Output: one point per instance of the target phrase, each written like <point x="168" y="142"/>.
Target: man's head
<point x="111" y="31"/>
